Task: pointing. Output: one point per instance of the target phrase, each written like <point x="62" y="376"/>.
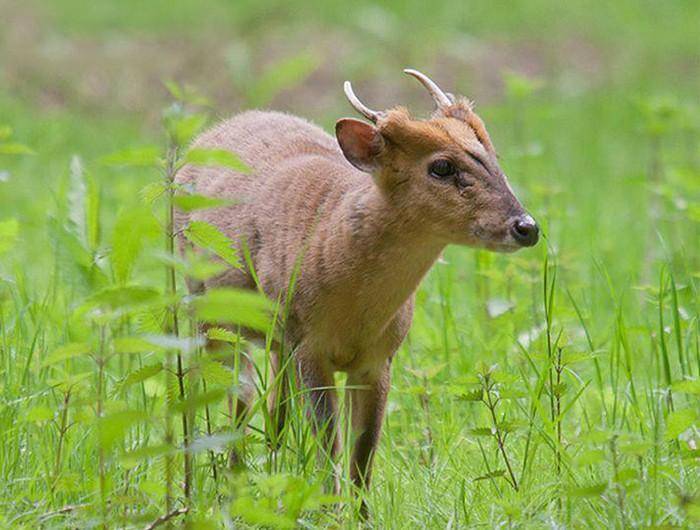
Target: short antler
<point x="360" y="107"/>
<point x="441" y="98"/>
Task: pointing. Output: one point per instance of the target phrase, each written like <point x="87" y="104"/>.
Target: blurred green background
<point x="593" y="107"/>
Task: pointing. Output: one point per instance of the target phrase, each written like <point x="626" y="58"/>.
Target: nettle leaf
<point x="199" y="156"/>
<point x="224" y="335"/>
<point x="9" y="230"/>
<point x="140" y="375"/>
<point x="216" y="373"/>
<point x="111" y="428"/>
<point x="124" y="296"/>
<point x="181" y="127"/>
<point x="235" y="306"/>
<point x="679" y="421"/>
<point x="198" y="401"/>
<point x="138" y="157"/>
<point x="481" y="431"/>
<point x="39" y="414"/>
<point x="189" y="203"/>
<point x="209" y="237"/>
<point x="67" y="351"/>
<point x="132" y="228"/>
<point x="150" y="192"/>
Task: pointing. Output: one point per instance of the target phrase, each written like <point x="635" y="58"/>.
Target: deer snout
<point x="524" y="230"/>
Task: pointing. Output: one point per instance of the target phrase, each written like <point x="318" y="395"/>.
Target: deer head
<point x="442" y="172"/>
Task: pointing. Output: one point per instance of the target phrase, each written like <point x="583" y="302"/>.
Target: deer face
<point x="443" y="172"/>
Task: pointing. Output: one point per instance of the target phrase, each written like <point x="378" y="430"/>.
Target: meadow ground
<point x="557" y="387"/>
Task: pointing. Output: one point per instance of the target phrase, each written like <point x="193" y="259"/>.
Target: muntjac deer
<point x="366" y="214"/>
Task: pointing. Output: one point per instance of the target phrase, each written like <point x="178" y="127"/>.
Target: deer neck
<point x="385" y="251"/>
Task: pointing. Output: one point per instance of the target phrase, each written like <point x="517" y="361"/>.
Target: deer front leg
<point x="317" y="379"/>
<point x="368" y="402"/>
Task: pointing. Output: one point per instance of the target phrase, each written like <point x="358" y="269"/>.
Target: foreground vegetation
<point x="559" y="386"/>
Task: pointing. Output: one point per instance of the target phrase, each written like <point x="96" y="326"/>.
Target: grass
<point x="555" y="387"/>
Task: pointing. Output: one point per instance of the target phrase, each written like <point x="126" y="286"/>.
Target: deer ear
<point x="361" y="143"/>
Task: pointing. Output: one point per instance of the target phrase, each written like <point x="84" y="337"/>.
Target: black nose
<point x="525" y="231"/>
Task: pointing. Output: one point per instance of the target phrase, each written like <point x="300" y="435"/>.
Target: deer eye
<point x="441" y="169"/>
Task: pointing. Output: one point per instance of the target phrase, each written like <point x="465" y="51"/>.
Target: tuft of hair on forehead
<point x="400" y="128"/>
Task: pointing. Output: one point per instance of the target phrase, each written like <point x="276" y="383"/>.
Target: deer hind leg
<point x="368" y="403"/>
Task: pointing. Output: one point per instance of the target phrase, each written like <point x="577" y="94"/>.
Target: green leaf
<point x="199" y="156"/>
<point x="39" y="414"/>
<point x="112" y="428"/>
<point x="679" y="421"/>
<point x="138" y="157"/>
<point x="9" y="230"/>
<point x="65" y="352"/>
<point x="140" y="375"/>
<point x="132" y="228"/>
<point x="209" y="237"/>
<point x="188" y="203"/>
<point x="235" y="306"/>
<point x="224" y="335"/>
<point x="182" y="127"/>
<point x="15" y="149"/>
<point x="216" y="373"/>
<point x="124" y="297"/>
<point x="198" y="401"/>
<point x="150" y="192"/>
<point x="481" y="431"/>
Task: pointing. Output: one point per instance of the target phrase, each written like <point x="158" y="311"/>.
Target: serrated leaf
<point x="209" y="237"/>
<point x="198" y="401"/>
<point x="9" y="229"/>
<point x="65" y="352"/>
<point x="224" y="335"/>
<point x="140" y="375"/>
<point x="189" y="203"/>
<point x="131" y="229"/>
<point x="124" y="296"/>
<point x="481" y="431"/>
<point x="235" y="306"/>
<point x="216" y="373"/>
<point x="199" y="156"/>
<point x="150" y="192"/>
<point x="138" y="157"/>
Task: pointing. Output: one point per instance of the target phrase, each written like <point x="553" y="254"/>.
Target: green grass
<point x="556" y="387"/>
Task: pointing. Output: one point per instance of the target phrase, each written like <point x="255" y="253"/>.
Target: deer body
<point x="364" y="241"/>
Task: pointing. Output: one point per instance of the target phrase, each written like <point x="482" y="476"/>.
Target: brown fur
<point x="365" y="241"/>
